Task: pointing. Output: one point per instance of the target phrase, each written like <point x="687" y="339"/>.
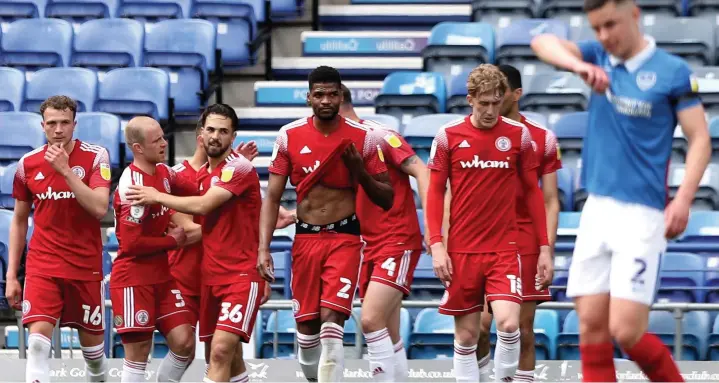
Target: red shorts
<point x="394" y="269"/>
<point x="530" y="286"/>
<point x="232" y="308"/>
<point x="325" y="269"/>
<point x="192" y="303"/>
<point x="77" y="304"/>
<point x="144" y="308"/>
<point x="495" y="274"/>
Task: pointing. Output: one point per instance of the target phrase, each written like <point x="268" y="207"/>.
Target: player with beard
<point x="392" y="250"/>
<point x="229" y="202"/>
<point x="327" y="251"/>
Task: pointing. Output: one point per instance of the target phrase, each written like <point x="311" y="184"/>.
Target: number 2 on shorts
<point x="344" y="291"/>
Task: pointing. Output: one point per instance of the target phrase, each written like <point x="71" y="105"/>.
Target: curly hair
<point x="59" y="102"/>
<point x="486" y="78"/>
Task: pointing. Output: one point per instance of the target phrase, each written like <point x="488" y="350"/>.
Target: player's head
<point x="199" y="146"/>
<point x="486" y="86"/>
<point x="58" y="119"/>
<point x="514" y="93"/>
<point x="145" y="137"/>
<point x="616" y="25"/>
<point x="325" y="95"/>
<point x="346" y="99"/>
<point x="219" y="124"/>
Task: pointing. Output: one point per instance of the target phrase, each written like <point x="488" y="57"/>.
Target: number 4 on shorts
<point x="234" y="315"/>
<point x="390" y="265"/>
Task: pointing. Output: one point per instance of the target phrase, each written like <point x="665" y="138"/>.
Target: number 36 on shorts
<point x="231" y="313"/>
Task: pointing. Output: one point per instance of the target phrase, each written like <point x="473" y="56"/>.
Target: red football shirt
<point x="66" y="242"/>
<point x="398" y="228"/>
<point x="546" y="152"/>
<point x="231" y="233"/>
<point x="185" y="261"/>
<point x="300" y="147"/>
<point x="142" y="256"/>
<point x="483" y="168"/>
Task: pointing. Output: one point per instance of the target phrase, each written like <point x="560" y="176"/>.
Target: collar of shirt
<point x="640" y="58"/>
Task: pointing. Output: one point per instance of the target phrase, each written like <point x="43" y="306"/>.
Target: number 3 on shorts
<point x="180" y="300"/>
<point x="234" y="315"/>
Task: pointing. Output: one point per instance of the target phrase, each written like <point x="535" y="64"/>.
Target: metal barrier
<point x="677" y="309"/>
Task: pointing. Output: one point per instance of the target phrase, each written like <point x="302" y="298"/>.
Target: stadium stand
<point x="12" y="89"/>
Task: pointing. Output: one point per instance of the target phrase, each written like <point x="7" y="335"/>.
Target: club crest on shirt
<point x="380" y="154"/>
<point x="117" y="320"/>
<point x="393" y="141"/>
<point x="166" y="183"/>
<point x="142" y="317"/>
<point x="295" y="306"/>
<point x="227" y="173"/>
<point x="646" y="80"/>
<point x="105" y="172"/>
<point x="503" y="144"/>
<point x="26" y="307"/>
<point x="214" y="180"/>
<point x="79" y="171"/>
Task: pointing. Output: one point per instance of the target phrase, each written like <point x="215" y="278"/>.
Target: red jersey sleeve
<point x="234" y="176"/>
<point x="396" y="148"/>
<point x="182" y="186"/>
<point x="280" y="161"/>
<point x="372" y="153"/>
<point x="439" y="154"/>
<point x="552" y="159"/>
<point x="20" y="191"/>
<point x="100" y="174"/>
<point x="527" y="157"/>
<point x="129" y="231"/>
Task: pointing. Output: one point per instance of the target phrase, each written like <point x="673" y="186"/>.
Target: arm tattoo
<point x="411" y="160"/>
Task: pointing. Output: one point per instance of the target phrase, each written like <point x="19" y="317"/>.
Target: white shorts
<point x="618" y="250"/>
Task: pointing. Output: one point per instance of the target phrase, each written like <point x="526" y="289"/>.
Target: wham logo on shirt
<point x="310" y="169"/>
<point x="55" y="195"/>
<point x="477" y="163"/>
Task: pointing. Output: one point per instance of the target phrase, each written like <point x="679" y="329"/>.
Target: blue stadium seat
<point x="456" y="47"/>
<point x="513" y="41"/>
<point x="568" y="226"/>
<point x="7" y="176"/>
<point x="236" y="23"/>
<point x="557" y="92"/>
<point x="135" y="91"/>
<point x="433" y="336"/>
<point x="112" y="244"/>
<point x="568" y="339"/>
<point x="687" y="37"/>
<point x="79" y="11"/>
<point x="21" y="133"/>
<point x="501" y="13"/>
<point x="80" y="84"/>
<point x="94" y="49"/>
<point x="562" y="10"/>
<point x="12" y="89"/>
<point x="561" y="276"/>
<point x="421" y="130"/>
<point x="186" y="49"/>
<point x="695" y="328"/>
<point x="677" y="285"/>
<point x="101" y="129"/>
<point x="546" y="331"/>
<point x="284" y="322"/>
<point x="565" y="184"/>
<point x="570" y="130"/>
<point x="389" y="122"/>
<point x="703" y="227"/>
<point x="5" y="219"/>
<point x="286" y="9"/>
<point x="151" y="11"/>
<point x="426" y="285"/>
<point x="536" y="117"/>
<point x="457" y="94"/>
<point x="409" y="94"/>
<point x="11" y="10"/>
<point x="37" y="43"/>
<point x="713" y="342"/>
<point x="707" y="196"/>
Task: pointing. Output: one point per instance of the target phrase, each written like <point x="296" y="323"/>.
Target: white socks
<point x="465" y="363"/>
<point x="381" y="355"/>
<point x="38" y="355"/>
<point x="242" y="378"/>
<point x="506" y="355"/>
<point x="309" y="354"/>
<point x="401" y="371"/>
<point x="524" y="376"/>
<point x="95" y="363"/>
<point x="172" y="367"/>
<point x="331" y="367"/>
<point x="133" y="372"/>
<point x="484" y="370"/>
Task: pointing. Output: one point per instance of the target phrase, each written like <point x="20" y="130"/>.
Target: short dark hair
<point x="324" y="75"/>
<point x="347" y="95"/>
<point x="59" y="103"/>
<point x="221" y="110"/>
<point x="593" y="5"/>
<point x="514" y="78"/>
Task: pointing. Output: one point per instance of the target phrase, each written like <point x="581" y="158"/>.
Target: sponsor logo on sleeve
<point x="393" y="140"/>
<point x="105" y="172"/>
<point x="227" y="173"/>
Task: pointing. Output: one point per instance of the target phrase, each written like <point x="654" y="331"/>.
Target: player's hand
<point x="545" y="268"/>
<point x="676" y="217"/>
<point x="286" y="218"/>
<point x="266" y="294"/>
<point x="353" y="160"/>
<point x="58" y="159"/>
<point x="13" y="293"/>
<point x="441" y="263"/>
<point x="178" y="232"/>
<point x="265" y="265"/>
<point x="248" y="150"/>
<point x="593" y="75"/>
<point x="142" y="195"/>
<point x="427" y="243"/>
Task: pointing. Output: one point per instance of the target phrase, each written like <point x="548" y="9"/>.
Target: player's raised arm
<point x="370" y="170"/>
<point x="579" y="59"/>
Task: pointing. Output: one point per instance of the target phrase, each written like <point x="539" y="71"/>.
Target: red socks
<point x="598" y="362"/>
<point x="654" y="359"/>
